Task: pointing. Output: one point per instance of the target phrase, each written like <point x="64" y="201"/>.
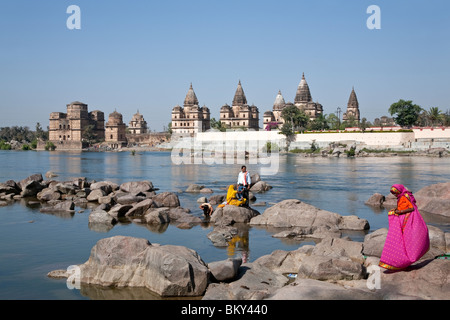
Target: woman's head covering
<point x="400" y="190"/>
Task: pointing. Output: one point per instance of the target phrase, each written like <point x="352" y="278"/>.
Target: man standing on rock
<point x="244" y="182"/>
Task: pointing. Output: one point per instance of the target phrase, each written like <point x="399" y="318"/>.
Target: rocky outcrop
<point x="295" y="213"/>
<point x="168" y="270"/>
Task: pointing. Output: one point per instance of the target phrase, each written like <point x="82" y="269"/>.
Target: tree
<point x="319" y="123"/>
<point x="295" y="119"/>
<point x="89" y="134"/>
<point x="406" y="112"/>
<point x="332" y="121"/>
<point x="218" y="125"/>
<point x="436" y="116"/>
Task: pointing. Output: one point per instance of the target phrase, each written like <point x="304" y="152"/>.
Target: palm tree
<point x="435" y="115"/>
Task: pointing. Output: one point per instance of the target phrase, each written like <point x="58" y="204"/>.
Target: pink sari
<point x="407" y="239"/>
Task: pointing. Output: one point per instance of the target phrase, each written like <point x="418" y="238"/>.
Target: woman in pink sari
<point x="407" y="239"/>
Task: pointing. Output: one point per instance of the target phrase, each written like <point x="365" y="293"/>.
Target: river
<point x="34" y="243"/>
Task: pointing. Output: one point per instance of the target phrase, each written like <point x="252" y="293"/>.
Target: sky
<point x="143" y="55"/>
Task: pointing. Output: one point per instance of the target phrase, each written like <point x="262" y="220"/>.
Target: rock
<point x="426" y="280"/>
<point x="65" y="188"/>
<point x="206" y="190"/>
<point x="230" y="214"/>
<point x="254" y="282"/>
<point x="140" y="208"/>
<point x="310" y="289"/>
<point x="119" y="210"/>
<point x="260" y="186"/>
<point x="94" y="195"/>
<point x="128" y="198"/>
<point x="167" y="270"/>
<point x="62" y="206"/>
<point x="137" y="186"/>
<point x="217" y="199"/>
<point x="34" y="177"/>
<point x="434" y="199"/>
<point x="194" y="188"/>
<point x="295" y="213"/>
<point x="31" y="188"/>
<point x="374" y="242"/>
<point x="221" y="235"/>
<point x="321" y="267"/>
<point x="225" y="270"/>
<point x="202" y="200"/>
<point x="11" y="188"/>
<point x="48" y="194"/>
<point x="106" y="186"/>
<point x="157" y="216"/>
<point x="376" y="200"/>
<point x="101" y="217"/>
<point x="50" y="174"/>
<point x="167" y="199"/>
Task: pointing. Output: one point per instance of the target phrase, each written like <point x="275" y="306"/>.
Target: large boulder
<point x="260" y="186"/>
<point x="434" y="199"/>
<point x="167" y="199"/>
<point x="230" y="214"/>
<point x="140" y="208"/>
<point x="137" y="186"/>
<point x="167" y="270"/>
<point x="295" y="213"/>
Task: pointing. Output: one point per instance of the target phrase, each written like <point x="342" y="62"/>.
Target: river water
<point x="34" y="243"/>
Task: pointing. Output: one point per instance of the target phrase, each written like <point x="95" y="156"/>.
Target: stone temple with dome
<point x="190" y="118"/>
<point x="303" y="100"/>
<point x="240" y="115"/>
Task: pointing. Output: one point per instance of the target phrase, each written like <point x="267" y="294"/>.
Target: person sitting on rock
<point x="232" y="198"/>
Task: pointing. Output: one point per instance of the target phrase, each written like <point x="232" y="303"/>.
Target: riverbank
<point x="335" y="267"/>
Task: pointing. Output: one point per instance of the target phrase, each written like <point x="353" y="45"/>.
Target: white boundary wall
<point x="370" y="139"/>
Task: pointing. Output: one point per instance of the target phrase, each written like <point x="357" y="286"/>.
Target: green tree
<point x="319" y="123"/>
<point x="294" y="120"/>
<point x="406" y="112"/>
<point x="436" y="116"/>
<point x="218" y="125"/>
<point x="332" y="121"/>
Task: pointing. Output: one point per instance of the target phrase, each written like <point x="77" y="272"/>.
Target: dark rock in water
<point x="31" y="188"/>
<point x="62" y="206"/>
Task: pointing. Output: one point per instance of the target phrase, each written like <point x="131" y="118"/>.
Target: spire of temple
<point x="353" y="100"/>
<point x="191" y="98"/>
<point x="239" y="96"/>
<point x="303" y="93"/>
<point x="279" y="101"/>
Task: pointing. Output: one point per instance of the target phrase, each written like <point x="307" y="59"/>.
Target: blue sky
<point x="138" y="54"/>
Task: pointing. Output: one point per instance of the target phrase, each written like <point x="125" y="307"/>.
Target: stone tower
<point x="352" y="112"/>
<point x="115" y="135"/>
